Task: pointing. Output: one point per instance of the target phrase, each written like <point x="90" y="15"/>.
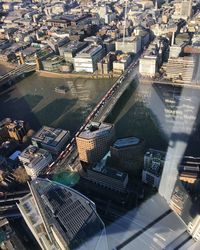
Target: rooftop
<point x="50" y="136"/>
<point x="33" y="154"/>
<point x="89" y="51"/>
<point x="73" y="46"/>
<point x="71" y="215"/>
<point x="95" y="129"/>
<point x="110" y="172"/>
<point x="128" y="39"/>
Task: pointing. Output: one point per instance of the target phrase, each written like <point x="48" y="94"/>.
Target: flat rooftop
<point x="73" y="46"/>
<point x="95" y="129"/>
<point x="126" y="142"/>
<point x="128" y="39"/>
<point x="50" y="136"/>
<point x="34" y="154"/>
<point x="89" y="50"/>
<point x="110" y="172"/>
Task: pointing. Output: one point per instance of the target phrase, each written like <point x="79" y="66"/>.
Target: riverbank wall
<point x="75" y="75"/>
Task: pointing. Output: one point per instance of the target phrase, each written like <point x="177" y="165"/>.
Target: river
<point x="140" y="112"/>
<point x="34" y="100"/>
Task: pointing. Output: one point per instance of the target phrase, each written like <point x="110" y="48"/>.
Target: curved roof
<point x="68" y="214"/>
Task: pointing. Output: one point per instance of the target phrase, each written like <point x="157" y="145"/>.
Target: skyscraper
<point x="94" y="142"/>
<point x="62" y="218"/>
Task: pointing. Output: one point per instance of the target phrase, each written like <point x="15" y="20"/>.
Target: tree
<point x="21" y="175"/>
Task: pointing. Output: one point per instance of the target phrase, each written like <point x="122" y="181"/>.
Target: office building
<point x="153" y="57"/>
<point x="127" y="148"/>
<point x="53" y="63"/>
<point x="35" y="160"/>
<point x="128" y="154"/>
<point x="61" y="218"/>
<point x="17" y="130"/>
<point x="70" y="50"/>
<point x="106" y="64"/>
<point x="185" y="196"/>
<point x="153" y="166"/>
<point x="87" y="59"/>
<point x="109" y="44"/>
<point x="107" y="177"/>
<point x="188" y="177"/>
<point x="148" y="65"/>
<point x="129" y="44"/>
<point x="51" y="139"/>
<point x="183" y="9"/>
<point x="122" y="62"/>
<point x="94" y="141"/>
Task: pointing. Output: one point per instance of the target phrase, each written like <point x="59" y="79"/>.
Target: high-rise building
<point x="94" y="141"/>
<point x="61" y="218"/>
<point x="34" y="160"/>
<point x="128" y="153"/>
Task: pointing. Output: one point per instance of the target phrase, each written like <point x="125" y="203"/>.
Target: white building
<point x="87" y="59"/>
<point x="35" y="160"/>
<point x="148" y="65"/>
<point x="122" y="63"/>
<point x="129" y="45"/>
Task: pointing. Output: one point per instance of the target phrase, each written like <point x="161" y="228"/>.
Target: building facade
<point x="128" y="154"/>
<point x="106" y="177"/>
<point x="87" y="59"/>
<point x="148" y="65"/>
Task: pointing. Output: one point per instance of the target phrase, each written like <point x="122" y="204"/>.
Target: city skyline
<point x="103" y="97"/>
